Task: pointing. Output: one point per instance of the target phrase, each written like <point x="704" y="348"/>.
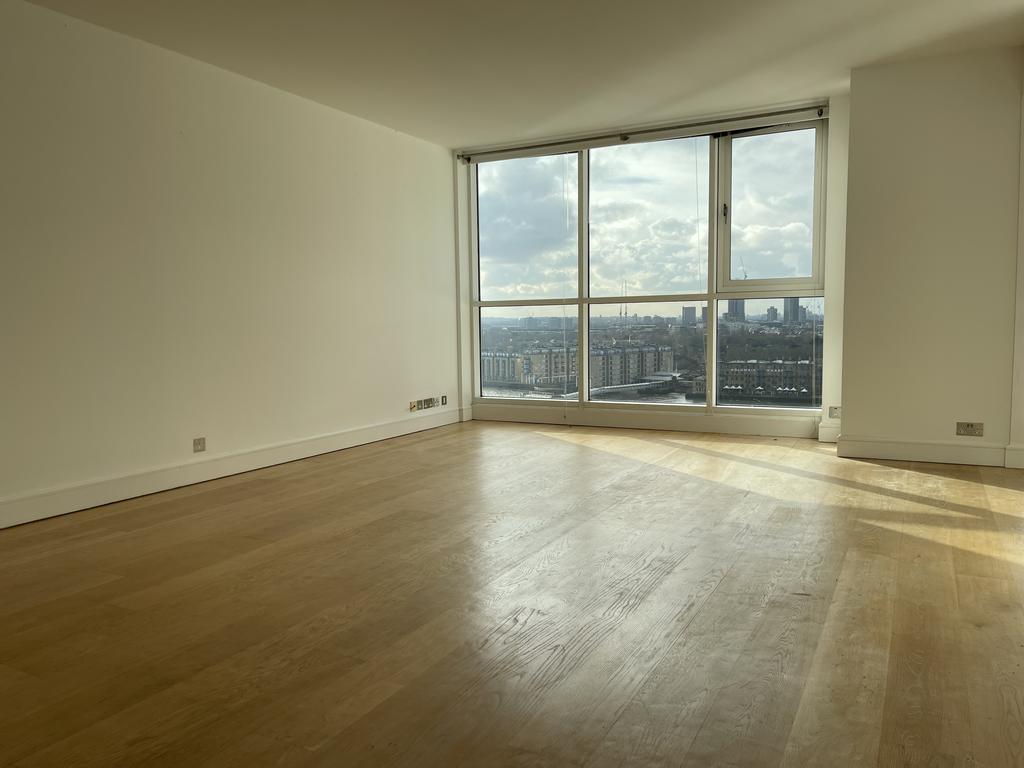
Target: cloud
<point x="528" y="228"/>
<point x="648" y="218"/>
<point x="773" y="205"/>
<point x="649" y="214"/>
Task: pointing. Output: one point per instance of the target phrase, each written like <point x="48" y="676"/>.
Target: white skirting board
<point x="828" y="433"/>
<point x="982" y="454"/>
<point x="1015" y="456"/>
<point x="72" y="498"/>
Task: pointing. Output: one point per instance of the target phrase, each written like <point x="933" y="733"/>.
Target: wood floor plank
<point x="839" y="718"/>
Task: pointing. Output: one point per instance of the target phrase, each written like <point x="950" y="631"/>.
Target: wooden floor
<point x="514" y="595"/>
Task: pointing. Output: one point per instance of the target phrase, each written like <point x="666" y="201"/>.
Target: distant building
<point x="555" y="367"/>
<point x="628" y="365"/>
<point x="689" y="316"/>
<point x="548" y="323"/>
<point x="773" y="315"/>
<point x="770" y="380"/>
<point x="501" y="367"/>
<point x="737" y="310"/>
<point x="791" y="311"/>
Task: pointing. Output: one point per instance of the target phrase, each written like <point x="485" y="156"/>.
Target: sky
<point x="527" y="209"/>
<point x="648" y="217"/>
<point x="772" y="205"/>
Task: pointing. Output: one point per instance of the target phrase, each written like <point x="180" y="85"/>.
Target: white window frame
<point x="717" y="290"/>
<point x="790" y="286"/>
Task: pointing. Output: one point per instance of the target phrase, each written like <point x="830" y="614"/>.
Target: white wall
<point x="931" y="256"/>
<point x="187" y="252"/>
<point x="1015" y="451"/>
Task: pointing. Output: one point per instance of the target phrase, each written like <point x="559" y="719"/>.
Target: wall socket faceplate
<point x="970" y="429"/>
<point x="198" y="444"/>
<point x="835" y="412"/>
<point x="429" y="402"/>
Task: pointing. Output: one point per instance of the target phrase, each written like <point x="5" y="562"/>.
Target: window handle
<point x="725" y="210"/>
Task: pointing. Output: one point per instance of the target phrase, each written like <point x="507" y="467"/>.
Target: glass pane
<point x="769" y="352"/>
<point x="649" y="218"/>
<point x="772" y="205"/>
<point x="648" y="353"/>
<point x="527" y="217"/>
<point x="528" y="352"/>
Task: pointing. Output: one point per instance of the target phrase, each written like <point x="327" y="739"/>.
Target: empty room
<point x="511" y="384"/>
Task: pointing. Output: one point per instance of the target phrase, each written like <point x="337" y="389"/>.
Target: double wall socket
<point x="198" y="444"/>
<point x="970" y="429"/>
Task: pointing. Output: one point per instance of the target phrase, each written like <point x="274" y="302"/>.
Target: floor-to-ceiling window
<point x="682" y="270"/>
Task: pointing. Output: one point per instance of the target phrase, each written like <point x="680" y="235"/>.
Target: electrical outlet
<point x="835" y="412"/>
<point x="970" y="429"/>
<point x="198" y="444"/>
<point x="428" y="402"/>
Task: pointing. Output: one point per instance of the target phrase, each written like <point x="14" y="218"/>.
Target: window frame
<point x="816" y="280"/>
<point x="717" y="290"/>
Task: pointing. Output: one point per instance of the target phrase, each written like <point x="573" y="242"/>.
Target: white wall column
<point x="1015" y="450"/>
<point x="931" y="283"/>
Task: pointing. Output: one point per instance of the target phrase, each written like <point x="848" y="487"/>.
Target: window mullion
<point x="474" y="280"/>
<point x="722" y="213"/>
<point x="583" y="278"/>
<point x="728" y="281"/>
<point x="818" y="244"/>
<point x="718" y="191"/>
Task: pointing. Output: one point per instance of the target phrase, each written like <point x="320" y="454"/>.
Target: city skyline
<point x="660" y="357"/>
<point x="570" y="316"/>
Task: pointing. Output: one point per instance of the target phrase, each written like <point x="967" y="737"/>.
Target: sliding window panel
<point x="648" y="353"/>
<point x="527" y="219"/>
<point x="529" y="352"/>
<point x="771" y="224"/>
<point x="649" y="212"/>
<point x="770" y="352"/>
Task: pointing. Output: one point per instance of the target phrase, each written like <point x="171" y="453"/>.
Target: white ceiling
<point x="468" y="74"/>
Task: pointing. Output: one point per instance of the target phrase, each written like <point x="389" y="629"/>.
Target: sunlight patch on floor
<point x="787" y="481"/>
